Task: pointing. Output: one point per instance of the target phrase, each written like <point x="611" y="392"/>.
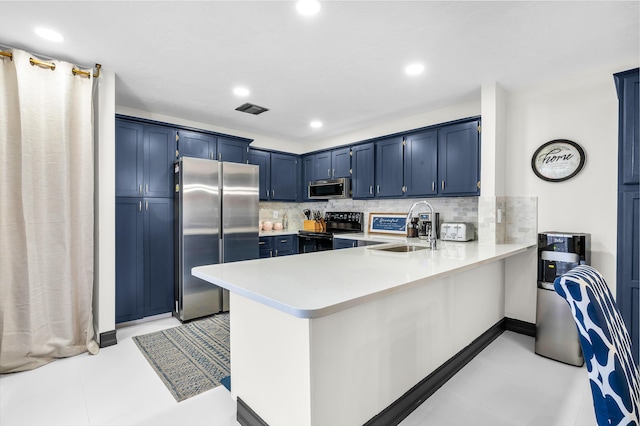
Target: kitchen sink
<point x="402" y="248"/>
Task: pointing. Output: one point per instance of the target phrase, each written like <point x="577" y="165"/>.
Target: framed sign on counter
<point x="558" y="160"/>
<point x="388" y="223"/>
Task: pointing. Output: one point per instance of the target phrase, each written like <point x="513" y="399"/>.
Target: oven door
<point x="309" y="244"/>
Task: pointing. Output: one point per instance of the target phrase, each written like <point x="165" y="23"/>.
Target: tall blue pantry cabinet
<point x="628" y="257"/>
<point x="144" y="219"/>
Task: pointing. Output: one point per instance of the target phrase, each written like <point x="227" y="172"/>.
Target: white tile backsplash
<point x="460" y="209"/>
<point x="519" y="215"/>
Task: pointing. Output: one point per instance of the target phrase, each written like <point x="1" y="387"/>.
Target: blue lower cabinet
<point x="340" y="243"/>
<point x="265" y="247"/>
<point x="158" y="256"/>
<point x="129" y="259"/>
<point x="284" y="245"/>
<point x="277" y="245"/>
<point x="144" y="257"/>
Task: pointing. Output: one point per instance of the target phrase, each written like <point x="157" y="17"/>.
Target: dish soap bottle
<point x="285" y="221"/>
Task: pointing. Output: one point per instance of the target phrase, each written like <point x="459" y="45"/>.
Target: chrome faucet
<point x="431" y="239"/>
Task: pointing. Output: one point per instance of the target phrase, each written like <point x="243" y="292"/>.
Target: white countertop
<point x="316" y="284"/>
<point x="278" y="233"/>
<point x="383" y="238"/>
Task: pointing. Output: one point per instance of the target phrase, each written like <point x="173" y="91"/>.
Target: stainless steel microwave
<point x="329" y="189"/>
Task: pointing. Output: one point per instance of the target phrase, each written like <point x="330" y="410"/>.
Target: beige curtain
<point x="46" y="213"/>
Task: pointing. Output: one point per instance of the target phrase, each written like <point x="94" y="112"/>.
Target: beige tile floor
<point x="507" y="384"/>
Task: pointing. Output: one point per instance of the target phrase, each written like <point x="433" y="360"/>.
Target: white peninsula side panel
<point x="344" y="368"/>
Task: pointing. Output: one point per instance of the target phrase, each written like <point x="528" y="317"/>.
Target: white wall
<point x="105" y="214"/>
<point x="585" y="110"/>
<point x="259" y="141"/>
<point x="453" y="112"/>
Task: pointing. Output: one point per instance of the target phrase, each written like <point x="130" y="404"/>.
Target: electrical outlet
<point x="275" y="214"/>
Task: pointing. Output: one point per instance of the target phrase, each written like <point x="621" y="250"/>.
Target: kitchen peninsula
<point x="336" y="337"/>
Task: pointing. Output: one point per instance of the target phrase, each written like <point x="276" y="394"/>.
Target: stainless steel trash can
<point x="556" y="333"/>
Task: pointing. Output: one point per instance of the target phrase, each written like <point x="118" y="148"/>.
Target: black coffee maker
<point x="428" y="224"/>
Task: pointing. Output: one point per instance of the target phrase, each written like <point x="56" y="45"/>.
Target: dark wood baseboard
<point x="108" y="338"/>
<point x="414" y="397"/>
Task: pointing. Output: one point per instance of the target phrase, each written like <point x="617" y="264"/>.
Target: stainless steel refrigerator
<point x="216" y="214"/>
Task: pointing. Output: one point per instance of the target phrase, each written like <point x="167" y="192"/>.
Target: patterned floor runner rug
<point x="191" y="358"/>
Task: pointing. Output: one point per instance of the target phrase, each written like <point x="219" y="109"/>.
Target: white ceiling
<point x="343" y="66"/>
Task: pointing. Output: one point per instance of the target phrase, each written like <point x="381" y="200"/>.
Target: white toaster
<point x="456" y="231"/>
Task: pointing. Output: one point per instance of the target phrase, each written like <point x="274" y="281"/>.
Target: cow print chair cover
<point x="613" y="375"/>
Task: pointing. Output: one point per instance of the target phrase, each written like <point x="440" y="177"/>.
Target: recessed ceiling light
<point x="48" y="34"/>
<point x="414" y="69"/>
<point x="316" y="124"/>
<point x="241" y="91"/>
<point x="308" y="7"/>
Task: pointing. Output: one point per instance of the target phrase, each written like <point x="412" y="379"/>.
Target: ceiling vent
<point x="251" y="109"/>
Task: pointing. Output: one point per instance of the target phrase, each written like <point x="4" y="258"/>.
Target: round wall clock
<point x="558" y="160"/>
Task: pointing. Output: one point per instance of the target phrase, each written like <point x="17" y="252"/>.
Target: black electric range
<point x="336" y="223"/>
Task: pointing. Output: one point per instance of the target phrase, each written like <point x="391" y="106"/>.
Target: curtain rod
<point x="74" y="70"/>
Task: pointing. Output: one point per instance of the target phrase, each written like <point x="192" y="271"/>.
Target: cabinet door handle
<point x="328" y="172"/>
<point x="139" y="205"/>
<point x="283" y="241"/>
<point x="146" y="189"/>
<point x="276" y="252"/>
<point x="443" y="185"/>
<point x="378" y="189"/>
<point x="146" y="205"/>
<point x="140" y="189"/>
<point x="433" y="185"/>
<point x="261" y="243"/>
<point x="333" y="173"/>
<point x="273" y="193"/>
<point x="371" y="189"/>
<point x="270" y="253"/>
<point x="267" y="193"/>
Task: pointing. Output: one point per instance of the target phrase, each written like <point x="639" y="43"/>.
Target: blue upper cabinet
<point x="308" y="175"/>
<point x="362" y="163"/>
<point x="331" y="164"/>
<point x="262" y="159"/>
<point x="389" y="170"/>
<point x="421" y="164"/>
<point x="459" y="159"/>
<point x="204" y="145"/>
<point x="279" y="175"/>
<point x="129" y="158"/>
<point x="341" y="163"/>
<point x="196" y="144"/>
<point x="322" y="167"/>
<point x="284" y="177"/>
<point x="628" y="85"/>
<point x="233" y="150"/>
<point x="159" y="149"/>
<point x="144" y="159"/>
